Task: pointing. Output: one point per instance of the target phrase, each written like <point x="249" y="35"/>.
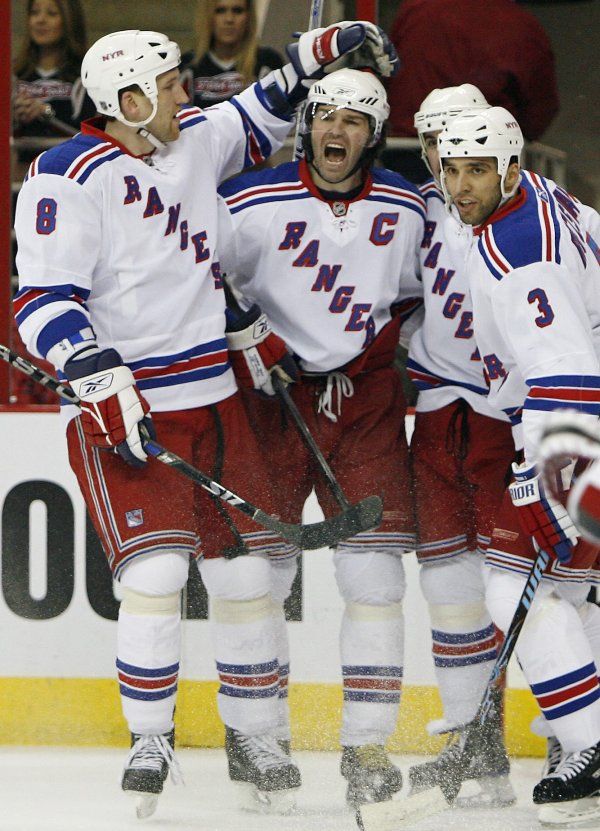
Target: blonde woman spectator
<point x="49" y="98"/>
<point x="227" y="57"/>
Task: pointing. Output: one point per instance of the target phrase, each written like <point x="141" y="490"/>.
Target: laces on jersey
<point x="151" y="752"/>
<point x="339" y="384"/>
<point x="263" y="751"/>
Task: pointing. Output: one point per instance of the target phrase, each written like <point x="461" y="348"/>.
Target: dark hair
<point x="74" y="41"/>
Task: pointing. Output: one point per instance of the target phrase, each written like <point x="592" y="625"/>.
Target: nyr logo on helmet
<point x="111" y="55"/>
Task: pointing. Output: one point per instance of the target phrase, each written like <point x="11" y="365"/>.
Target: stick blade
<point x="363" y="516"/>
<point x="401" y="813"/>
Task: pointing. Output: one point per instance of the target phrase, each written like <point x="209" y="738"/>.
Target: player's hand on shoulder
<point x="256" y="351"/>
<point x="542" y="516"/>
<point x="376" y="53"/>
<point x="112" y="408"/>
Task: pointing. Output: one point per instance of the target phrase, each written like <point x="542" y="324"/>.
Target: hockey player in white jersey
<point x="534" y="277"/>
<point x="121" y="290"/>
<point x="327" y="247"/>
<point x="461" y="449"/>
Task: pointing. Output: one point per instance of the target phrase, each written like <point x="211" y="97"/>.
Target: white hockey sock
<point x="283" y="658"/>
<point x="557" y="661"/>
<point x="148" y="650"/>
<point x="372" y="651"/>
<point x="464" y="651"/>
<point x="245" y="648"/>
<point x="590" y="615"/>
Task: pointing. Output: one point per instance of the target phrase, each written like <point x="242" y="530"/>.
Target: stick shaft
<point x="363" y="516"/>
<point x="314" y="21"/>
<point x="310" y="442"/>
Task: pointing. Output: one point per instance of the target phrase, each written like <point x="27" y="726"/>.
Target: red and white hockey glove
<point x="285" y="88"/>
<point x="569" y="435"/>
<point x="541" y="516"/>
<point x="112" y="408"/>
<point x="256" y="351"/>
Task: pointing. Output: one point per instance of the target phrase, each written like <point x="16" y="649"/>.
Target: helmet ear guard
<point x="123" y="59"/>
<point x="440" y="106"/>
<point x="492" y="133"/>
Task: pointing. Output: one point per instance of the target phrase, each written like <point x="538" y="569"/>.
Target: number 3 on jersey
<point x="540" y="297"/>
<point x="45" y="221"/>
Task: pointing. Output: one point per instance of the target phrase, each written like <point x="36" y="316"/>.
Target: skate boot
<point x="476" y="754"/>
<point x="570" y="796"/>
<point x="267" y="777"/>
<point x="554" y="756"/>
<point x="146" y="768"/>
<point x="370" y="773"/>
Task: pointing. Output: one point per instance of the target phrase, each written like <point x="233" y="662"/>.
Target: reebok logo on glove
<point x="101" y="382"/>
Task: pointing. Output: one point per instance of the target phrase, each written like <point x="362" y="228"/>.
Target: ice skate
<point x="146" y="769"/>
<point x="570" y="796"/>
<point x="263" y="770"/>
<point x="554" y="756"/>
<point x="370" y="773"/>
<point x="477" y="754"/>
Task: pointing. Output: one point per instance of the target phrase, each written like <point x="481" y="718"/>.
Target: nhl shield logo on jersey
<point x="339" y="208"/>
<point x="134" y="517"/>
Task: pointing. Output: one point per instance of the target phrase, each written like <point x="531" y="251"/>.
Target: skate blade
<point x="145" y="804"/>
<point x="400" y="813"/>
<point x="265" y="802"/>
<point x="580" y="813"/>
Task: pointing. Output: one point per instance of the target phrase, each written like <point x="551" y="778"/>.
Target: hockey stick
<point x="308" y="439"/>
<point x="282" y="391"/>
<point x="315" y="535"/>
<point x="385" y="816"/>
<point x="314" y="21"/>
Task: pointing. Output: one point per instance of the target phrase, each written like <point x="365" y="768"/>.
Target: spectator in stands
<point x="49" y="100"/>
<point x="227" y="57"/>
<point x="497" y="45"/>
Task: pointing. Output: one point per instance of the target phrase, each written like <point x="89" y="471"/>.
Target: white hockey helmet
<point x="122" y="59"/>
<point x="443" y="104"/>
<point x="351" y="89"/>
<point x="492" y="133"/>
<point x="440" y="106"/>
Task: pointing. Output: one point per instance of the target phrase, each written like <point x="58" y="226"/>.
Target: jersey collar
<point x="95" y="127"/>
<point x="517" y="201"/>
<point x="306" y="179"/>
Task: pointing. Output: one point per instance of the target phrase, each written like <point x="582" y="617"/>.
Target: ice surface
<point x="64" y="789"/>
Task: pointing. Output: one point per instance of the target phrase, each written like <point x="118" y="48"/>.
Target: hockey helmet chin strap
<point x="140" y="126"/>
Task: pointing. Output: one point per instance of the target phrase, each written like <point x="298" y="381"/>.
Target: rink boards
<point x="58" y="610"/>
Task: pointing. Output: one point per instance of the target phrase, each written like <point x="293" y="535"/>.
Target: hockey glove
<point x="112" y="408"/>
<point x="541" y="516"/>
<point x="377" y="53"/>
<point x="285" y="88"/>
<point x="566" y="436"/>
<point x="256" y="351"/>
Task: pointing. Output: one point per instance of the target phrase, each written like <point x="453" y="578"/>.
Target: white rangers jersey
<point x="128" y="245"/>
<point x="325" y="273"/>
<point x="534" y="271"/>
<point x="443" y="359"/>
